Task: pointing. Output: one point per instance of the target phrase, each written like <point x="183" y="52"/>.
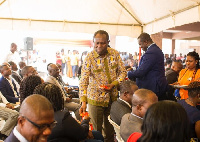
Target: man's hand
<point x="83" y="108"/>
<point x="9" y="106"/>
<point x="129" y="69"/>
<point x="66" y="88"/>
<point x="107" y="87"/>
<point x="90" y="135"/>
<point x="86" y="118"/>
<point x="68" y="99"/>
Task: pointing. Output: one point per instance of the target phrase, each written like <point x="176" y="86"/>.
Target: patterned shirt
<point x="96" y="71"/>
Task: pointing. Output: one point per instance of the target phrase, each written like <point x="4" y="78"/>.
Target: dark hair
<point x="145" y="37"/>
<point x="102" y="32"/>
<point x="27" y="86"/>
<point x="52" y="93"/>
<point x="195" y="55"/>
<point x="193" y="89"/>
<point x="48" y="66"/>
<point x="11" y="63"/>
<point x="21" y="64"/>
<point x="126" y="86"/>
<point x="162" y="121"/>
<point x="25" y="70"/>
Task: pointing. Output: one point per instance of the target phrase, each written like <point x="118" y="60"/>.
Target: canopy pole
<point x="129" y="12"/>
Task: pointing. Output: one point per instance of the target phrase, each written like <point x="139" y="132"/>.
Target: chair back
<point x="117" y="130"/>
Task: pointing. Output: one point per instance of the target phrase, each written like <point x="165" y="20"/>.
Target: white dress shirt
<point x="19" y="136"/>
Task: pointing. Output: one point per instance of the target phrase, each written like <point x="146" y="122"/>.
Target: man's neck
<point x="8" y="77"/>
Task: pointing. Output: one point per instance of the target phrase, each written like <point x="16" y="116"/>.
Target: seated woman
<point x="190" y="106"/>
<point x="164" y="121"/>
<point x="27" y="86"/>
<point x="67" y="128"/>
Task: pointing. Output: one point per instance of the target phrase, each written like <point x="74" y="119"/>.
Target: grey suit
<point x="129" y="124"/>
<point x="10" y="117"/>
<point x="73" y="105"/>
<point x="17" y="77"/>
<point x="118" y="110"/>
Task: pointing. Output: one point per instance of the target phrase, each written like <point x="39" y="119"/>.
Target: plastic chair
<point x="117" y="130"/>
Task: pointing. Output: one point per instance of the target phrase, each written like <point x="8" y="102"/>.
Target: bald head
<point x="141" y="101"/>
<point x="176" y="66"/>
<point x="36" y="119"/>
<point x="35" y="104"/>
<point x="53" y="70"/>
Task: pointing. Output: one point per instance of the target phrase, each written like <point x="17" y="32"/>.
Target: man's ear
<point x="139" y="107"/>
<point x="21" y="121"/>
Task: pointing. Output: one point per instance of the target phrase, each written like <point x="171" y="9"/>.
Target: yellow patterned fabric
<point x="96" y="71"/>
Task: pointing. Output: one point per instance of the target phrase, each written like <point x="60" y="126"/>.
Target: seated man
<point x="35" y="122"/>
<point x="7" y="85"/>
<point x="70" y="103"/>
<point x="21" y="65"/>
<point x="123" y="103"/>
<point x="28" y="70"/>
<point x="172" y="77"/>
<point x="131" y="122"/>
<point x="9" y="115"/>
<point x="15" y="74"/>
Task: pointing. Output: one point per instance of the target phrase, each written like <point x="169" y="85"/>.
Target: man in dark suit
<point x="7" y="85"/>
<point x="21" y="65"/>
<point x="151" y="72"/>
<point x="15" y="74"/>
<point x="131" y="122"/>
<point x="35" y="122"/>
<point x="123" y="104"/>
<point x="172" y="77"/>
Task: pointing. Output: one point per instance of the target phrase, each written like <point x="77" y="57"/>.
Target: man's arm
<point x="84" y="82"/>
<point x="6" y="94"/>
<point x="146" y="65"/>
<point x="122" y="73"/>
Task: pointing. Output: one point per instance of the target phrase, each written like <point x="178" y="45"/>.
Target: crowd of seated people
<point x="128" y="112"/>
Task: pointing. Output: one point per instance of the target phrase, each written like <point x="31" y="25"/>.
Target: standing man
<point x="13" y="55"/>
<point x="150" y="73"/>
<point x="103" y="66"/>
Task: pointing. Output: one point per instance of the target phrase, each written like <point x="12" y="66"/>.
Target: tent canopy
<point x="118" y="17"/>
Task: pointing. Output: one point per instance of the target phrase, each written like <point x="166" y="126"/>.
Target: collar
<point x="18" y="135"/>
<point x="9" y="78"/>
<point x="52" y="77"/>
<point x="97" y="55"/>
<point x="125" y="102"/>
<point x="12" y="53"/>
<point x="150" y="46"/>
<point x="136" y="116"/>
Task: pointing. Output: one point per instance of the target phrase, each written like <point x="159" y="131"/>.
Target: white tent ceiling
<point x="118" y="17"/>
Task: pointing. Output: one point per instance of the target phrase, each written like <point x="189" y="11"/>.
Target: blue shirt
<point x="193" y="115"/>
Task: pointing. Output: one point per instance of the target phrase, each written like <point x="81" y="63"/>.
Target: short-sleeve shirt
<point x="193" y="115"/>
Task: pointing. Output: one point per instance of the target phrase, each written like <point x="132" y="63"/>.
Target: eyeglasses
<point x="55" y="70"/>
<point x="42" y="127"/>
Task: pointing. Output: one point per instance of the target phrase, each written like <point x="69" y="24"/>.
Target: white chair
<point x="117" y="130"/>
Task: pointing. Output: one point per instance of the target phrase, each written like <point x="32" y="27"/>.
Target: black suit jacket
<point x="7" y="91"/>
<point x="11" y="138"/>
<point x="17" y="77"/>
<point x="68" y="129"/>
<point x="118" y="110"/>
